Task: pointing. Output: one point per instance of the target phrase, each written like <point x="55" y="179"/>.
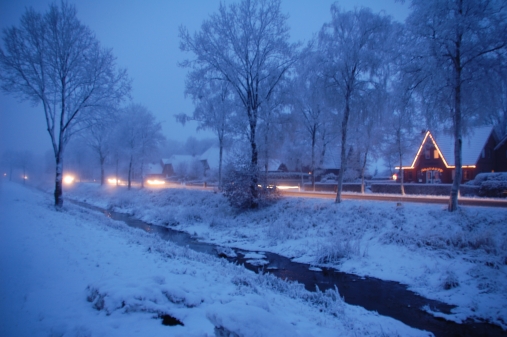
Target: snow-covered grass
<point x="76" y="272"/>
<point x="459" y="258"/>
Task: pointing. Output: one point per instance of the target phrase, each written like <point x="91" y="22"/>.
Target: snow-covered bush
<point x="330" y="177"/>
<point x="491" y="184"/>
<point x="237" y="187"/>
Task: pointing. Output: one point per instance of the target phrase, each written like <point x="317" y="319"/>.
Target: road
<point x="465" y="201"/>
<point x="398" y="198"/>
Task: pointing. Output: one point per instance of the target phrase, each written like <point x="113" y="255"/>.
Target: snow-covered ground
<point x="459" y="258"/>
<point x="78" y="273"/>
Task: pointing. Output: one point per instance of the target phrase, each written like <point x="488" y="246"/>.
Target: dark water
<point x="385" y="297"/>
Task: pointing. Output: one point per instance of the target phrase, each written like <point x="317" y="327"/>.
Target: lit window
<point x="435" y="154"/>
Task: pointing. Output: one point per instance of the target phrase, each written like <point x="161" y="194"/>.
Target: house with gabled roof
<point x="433" y="163"/>
<point x="500" y="154"/>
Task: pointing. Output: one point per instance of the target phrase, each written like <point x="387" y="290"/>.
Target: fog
<point x="144" y="38"/>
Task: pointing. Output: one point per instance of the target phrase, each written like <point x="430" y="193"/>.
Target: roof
<point x="177" y="159"/>
<point x="504" y="140"/>
<point x="212" y="156"/>
<point x="473" y="144"/>
<point x="273" y="164"/>
<point x="153" y="169"/>
<point x="411" y="152"/>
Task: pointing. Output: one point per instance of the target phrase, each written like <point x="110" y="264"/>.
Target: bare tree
<point x="141" y="136"/>
<point x="98" y="138"/>
<point x="215" y="109"/>
<point x="352" y="47"/>
<point x="461" y="39"/>
<point x="9" y="161"/>
<point x="55" y="60"/>
<point x="246" y="45"/>
<point x="309" y="105"/>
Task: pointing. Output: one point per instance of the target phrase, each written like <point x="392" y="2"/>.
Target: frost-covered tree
<point x="9" y="162"/>
<point x="55" y="60"/>
<point x="310" y="107"/>
<point x="99" y="137"/>
<point x="271" y="130"/>
<point x="352" y="48"/>
<point x="18" y="160"/>
<point x="215" y="110"/>
<point x="496" y="92"/>
<point x="141" y="136"/>
<point x="460" y="41"/>
<point x="247" y="45"/>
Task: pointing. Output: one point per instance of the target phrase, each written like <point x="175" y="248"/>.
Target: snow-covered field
<point x="459" y="258"/>
<point x="78" y="273"/>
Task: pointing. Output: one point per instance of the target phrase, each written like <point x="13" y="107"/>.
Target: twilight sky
<point x="144" y="38"/>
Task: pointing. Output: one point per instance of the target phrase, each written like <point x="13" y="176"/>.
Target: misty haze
<point x="253" y="168"/>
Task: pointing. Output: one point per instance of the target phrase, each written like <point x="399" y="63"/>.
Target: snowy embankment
<point x="78" y="273"/>
<point x="459" y="258"/>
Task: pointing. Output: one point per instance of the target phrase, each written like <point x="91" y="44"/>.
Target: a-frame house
<point x="433" y="162"/>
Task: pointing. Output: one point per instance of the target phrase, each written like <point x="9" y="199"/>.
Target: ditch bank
<point x="388" y="298"/>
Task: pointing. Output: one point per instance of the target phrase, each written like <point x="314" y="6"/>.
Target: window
<point x="483" y="154"/>
<point x="427" y="154"/>
<point x="435" y="154"/>
<point x="466" y="175"/>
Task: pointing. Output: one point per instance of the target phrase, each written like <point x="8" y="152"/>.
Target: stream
<point x="388" y="298"/>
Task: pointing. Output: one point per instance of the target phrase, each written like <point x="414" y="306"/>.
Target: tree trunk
<point x="400" y="152"/>
<point x="255" y="156"/>
<point x="402" y="185"/>
<point x="453" y="200"/>
<point x="220" y="154"/>
<point x="343" y="155"/>
<point x="102" y="178"/>
<point x="117" y="162"/>
<point x="58" y="180"/>
<point x="130" y="174"/>
<point x="314" y="135"/>
<point x="363" y="169"/>
<point x="142" y="177"/>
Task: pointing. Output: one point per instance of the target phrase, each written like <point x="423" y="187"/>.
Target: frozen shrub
<point x="491" y="184"/>
<point x="450" y="280"/>
<point x="493" y="188"/>
<point x="337" y="250"/>
<point x="237" y="187"/>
